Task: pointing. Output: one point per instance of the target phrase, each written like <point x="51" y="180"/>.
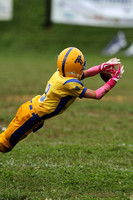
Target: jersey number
<point x="43" y="97"/>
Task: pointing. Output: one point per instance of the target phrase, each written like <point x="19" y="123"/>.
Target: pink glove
<point x="109" y="66"/>
<point x="111" y="83"/>
<point x="118" y="74"/>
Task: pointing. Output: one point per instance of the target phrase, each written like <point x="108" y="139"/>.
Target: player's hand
<point x="118" y="74"/>
<point x="109" y="66"/>
<point x="114" y="61"/>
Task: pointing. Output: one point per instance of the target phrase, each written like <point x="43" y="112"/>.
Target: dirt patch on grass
<point x="17" y="98"/>
<point x="24" y="98"/>
<point x="117" y="98"/>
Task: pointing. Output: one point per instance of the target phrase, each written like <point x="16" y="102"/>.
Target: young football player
<point x="61" y="91"/>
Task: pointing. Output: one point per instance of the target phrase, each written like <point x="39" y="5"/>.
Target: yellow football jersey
<point x="60" y="92"/>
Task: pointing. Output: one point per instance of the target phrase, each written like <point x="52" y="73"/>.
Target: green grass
<point x="85" y="153"/>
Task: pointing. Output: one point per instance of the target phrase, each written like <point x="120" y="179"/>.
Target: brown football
<point x="105" y="75"/>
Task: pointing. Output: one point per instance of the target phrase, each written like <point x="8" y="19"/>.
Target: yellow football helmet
<point x="71" y="63"/>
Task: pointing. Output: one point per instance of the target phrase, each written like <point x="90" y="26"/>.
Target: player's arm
<point x="100" y="92"/>
<point x="107" y="66"/>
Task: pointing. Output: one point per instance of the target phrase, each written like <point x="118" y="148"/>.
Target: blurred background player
<point x="61" y="91"/>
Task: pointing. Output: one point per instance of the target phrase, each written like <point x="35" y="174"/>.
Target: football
<point x="105" y="75"/>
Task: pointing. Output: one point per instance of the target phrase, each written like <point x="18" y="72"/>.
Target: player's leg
<point x="24" y="123"/>
<point x="4" y="144"/>
<point x="15" y="124"/>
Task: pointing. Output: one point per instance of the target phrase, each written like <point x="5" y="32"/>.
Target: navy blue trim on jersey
<point x="73" y="80"/>
<point x="59" y="108"/>
<point x="64" y="61"/>
<point x="83" y="92"/>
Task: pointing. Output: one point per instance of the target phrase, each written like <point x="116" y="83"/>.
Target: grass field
<point x="85" y="153"/>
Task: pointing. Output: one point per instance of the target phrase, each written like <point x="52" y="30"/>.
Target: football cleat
<point x="71" y="63"/>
